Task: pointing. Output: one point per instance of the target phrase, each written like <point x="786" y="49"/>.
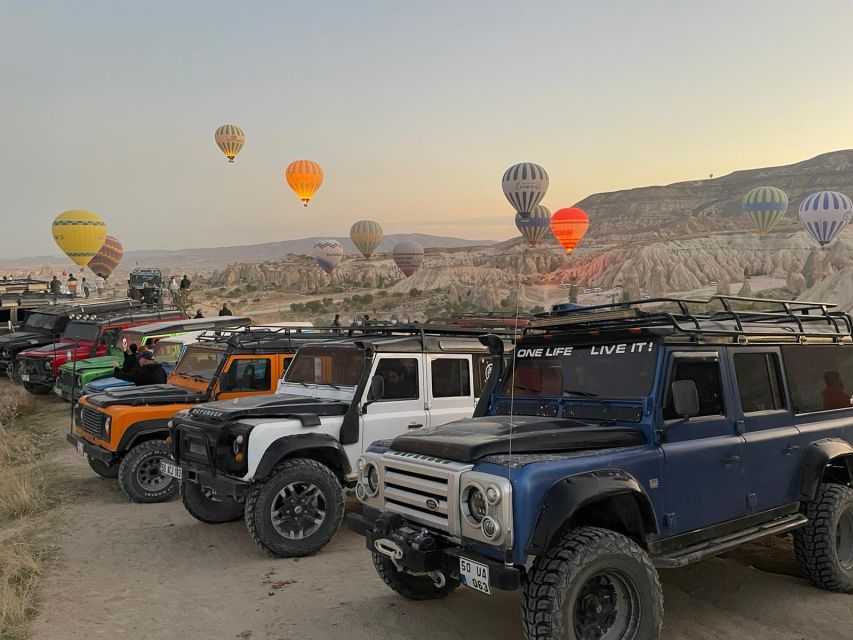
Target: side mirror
<point x="685" y="398"/>
<point x="377" y="388"/>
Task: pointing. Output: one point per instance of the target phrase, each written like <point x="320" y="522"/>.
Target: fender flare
<point x="139" y="429"/>
<point x="566" y="496"/>
<point x="286" y="446"/>
<point x="815" y="459"/>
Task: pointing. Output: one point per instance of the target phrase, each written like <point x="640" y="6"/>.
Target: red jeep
<point x="85" y="336"/>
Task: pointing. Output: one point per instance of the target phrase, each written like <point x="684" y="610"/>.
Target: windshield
<point x="43" y="321"/>
<point x="617" y="370"/>
<point x="199" y="362"/>
<point x="336" y="367"/>
<point x="132" y="337"/>
<point x="80" y="331"/>
<point x="167" y="351"/>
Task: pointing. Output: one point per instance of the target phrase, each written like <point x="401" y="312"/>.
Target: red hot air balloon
<point x="408" y="256"/>
<point x="107" y="258"/>
<point x="569" y="226"/>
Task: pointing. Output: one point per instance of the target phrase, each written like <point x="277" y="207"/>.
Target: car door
<point x="246" y="376"/>
<point x="402" y="406"/>
<point x="450" y="389"/>
<point x="703" y="456"/>
<point x="771" y="459"/>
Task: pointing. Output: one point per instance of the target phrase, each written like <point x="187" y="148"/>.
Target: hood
<point x="97" y="386"/>
<point x="279" y="406"/>
<point x="147" y="395"/>
<point x="57" y="348"/>
<point x="24" y="339"/>
<point x="104" y="362"/>
<point x="475" y="438"/>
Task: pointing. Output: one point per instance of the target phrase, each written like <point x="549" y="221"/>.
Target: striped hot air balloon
<point x="824" y="214"/>
<point x="230" y="139"/>
<point x="304" y="177"/>
<point x="107" y="259"/>
<point x="569" y="226"/>
<point x="408" y="256"/>
<point x="328" y="254"/>
<point x="80" y="234"/>
<point x="525" y="185"/>
<point x="765" y="206"/>
<point x="534" y="227"/>
<point x="366" y="236"/>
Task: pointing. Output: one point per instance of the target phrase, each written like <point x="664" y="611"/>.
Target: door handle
<point x="415" y="425"/>
<point x="731" y="459"/>
<point x="790" y="449"/>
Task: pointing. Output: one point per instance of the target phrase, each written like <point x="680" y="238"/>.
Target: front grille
<point x="64" y="378"/>
<point x="420" y="488"/>
<point x="29" y="366"/>
<point x="193" y="446"/>
<point x="92" y="421"/>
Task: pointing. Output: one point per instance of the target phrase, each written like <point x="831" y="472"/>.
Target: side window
<point x="401" y="378"/>
<point x="451" y="377"/>
<point x="248" y="375"/>
<point x="820" y="377"/>
<point x="109" y="337"/>
<point x="706" y="376"/>
<point x="759" y="382"/>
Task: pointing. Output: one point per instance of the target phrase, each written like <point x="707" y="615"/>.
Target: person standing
<point x="225" y="311"/>
<point x="173" y="289"/>
<point x="72" y="285"/>
<point x="199" y="314"/>
<point x="100" y="284"/>
<point x="185" y="283"/>
<point x="85" y="286"/>
<point x="55" y="286"/>
<point x="336" y="323"/>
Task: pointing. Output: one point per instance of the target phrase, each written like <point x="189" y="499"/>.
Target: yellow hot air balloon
<point x="80" y="234"/>
<point x="230" y="139"/>
<point x="366" y="236"/>
<point x="304" y="177"/>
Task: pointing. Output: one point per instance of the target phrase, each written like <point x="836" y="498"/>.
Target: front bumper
<point x="423" y="551"/>
<point x="34" y="373"/>
<point x="92" y="450"/>
<point x="221" y="485"/>
<point x="64" y="392"/>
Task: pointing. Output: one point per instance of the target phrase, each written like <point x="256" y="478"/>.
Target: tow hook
<point x="389" y="549"/>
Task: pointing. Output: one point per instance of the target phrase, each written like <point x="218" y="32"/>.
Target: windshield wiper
<point x="584" y="394"/>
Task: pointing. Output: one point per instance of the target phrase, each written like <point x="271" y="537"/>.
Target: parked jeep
<point x="20" y="296"/>
<point x="75" y="375"/>
<point x="45" y="325"/>
<point x="626" y="438"/>
<point x="288" y="458"/>
<point x="122" y="432"/>
<point x="85" y="336"/>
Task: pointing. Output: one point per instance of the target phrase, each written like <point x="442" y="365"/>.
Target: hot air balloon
<point x="366" y="236"/>
<point x="107" y="259"/>
<point x="80" y="234"/>
<point x="569" y="226"/>
<point x="408" y="256"/>
<point x="230" y="139"/>
<point x="525" y="185"/>
<point x="765" y="206"/>
<point x="536" y="226"/>
<point x="824" y="214"/>
<point x="304" y="177"/>
<point x="328" y="254"/>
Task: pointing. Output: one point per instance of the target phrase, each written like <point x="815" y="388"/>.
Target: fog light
<point x="239" y="457"/>
<point x="491" y="529"/>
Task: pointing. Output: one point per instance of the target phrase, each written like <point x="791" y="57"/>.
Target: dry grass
<point x="17" y="443"/>
<point x="21" y="565"/>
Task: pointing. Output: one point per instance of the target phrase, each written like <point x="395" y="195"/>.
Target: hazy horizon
<point x="413" y="110"/>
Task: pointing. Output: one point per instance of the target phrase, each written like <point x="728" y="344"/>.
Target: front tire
<point x="297" y="510"/>
<point x="824" y="547"/>
<point x="593" y="583"/>
<point x="102" y="468"/>
<point x="139" y="473"/>
<point x="201" y="505"/>
<point x="409" y="586"/>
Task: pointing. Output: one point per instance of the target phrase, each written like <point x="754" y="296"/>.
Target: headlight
<point x="237" y="445"/>
<point x="48" y="364"/>
<point x="493" y="495"/>
<point x="474" y="504"/>
<point x="371" y="479"/>
<point x="107" y="424"/>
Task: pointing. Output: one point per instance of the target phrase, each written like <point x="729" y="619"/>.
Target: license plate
<point x="80" y="449"/>
<point x="171" y="470"/>
<point x="474" y="575"/>
<point x="25" y="377"/>
<point x="57" y="391"/>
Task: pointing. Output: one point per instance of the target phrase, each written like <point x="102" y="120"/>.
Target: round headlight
<point x="493" y="495"/>
<point x="371" y="479"/>
<point x="107" y="424"/>
<point x="47" y="364"/>
<point x="491" y="529"/>
<point x="237" y="445"/>
<point x="475" y="504"/>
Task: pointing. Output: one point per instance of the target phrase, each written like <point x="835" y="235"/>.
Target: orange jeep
<point x="122" y="432"/>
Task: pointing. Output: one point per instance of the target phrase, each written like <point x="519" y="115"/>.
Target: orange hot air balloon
<point x="304" y="177"/>
<point x="569" y="226"/>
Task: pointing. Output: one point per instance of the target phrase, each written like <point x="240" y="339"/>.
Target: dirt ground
<point x="151" y="572"/>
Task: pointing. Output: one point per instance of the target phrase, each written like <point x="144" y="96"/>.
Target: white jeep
<point x="282" y="461"/>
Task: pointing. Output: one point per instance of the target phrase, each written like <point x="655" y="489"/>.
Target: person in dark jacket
<point x="225" y="311"/>
<point x="199" y="314"/>
<point x="130" y="364"/>
<point x="55" y="286"/>
<point x="150" y="371"/>
<point x="185" y="282"/>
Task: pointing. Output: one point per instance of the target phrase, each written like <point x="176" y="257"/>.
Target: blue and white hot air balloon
<point x="824" y="214"/>
<point x="765" y="206"/>
<point x="524" y="185"/>
<point x="534" y="227"/>
<point x="328" y="254"/>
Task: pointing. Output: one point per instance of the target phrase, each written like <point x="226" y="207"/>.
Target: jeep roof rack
<point x="69" y="307"/>
<point x="130" y="314"/>
<point x="779" y="320"/>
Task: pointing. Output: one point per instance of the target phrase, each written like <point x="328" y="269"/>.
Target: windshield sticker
<point x="596" y="350"/>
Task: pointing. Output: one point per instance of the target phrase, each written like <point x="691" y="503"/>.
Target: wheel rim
<point x="606" y="607"/>
<point x="148" y="474"/>
<point x="844" y="539"/>
<point x="298" y="510"/>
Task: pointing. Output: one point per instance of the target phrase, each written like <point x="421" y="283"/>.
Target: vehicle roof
<point x="193" y="324"/>
<point x="190" y="337"/>
<point x="102" y="306"/>
<point x="143" y="316"/>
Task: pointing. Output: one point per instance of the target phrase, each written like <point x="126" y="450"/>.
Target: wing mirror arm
<point x="376" y="391"/>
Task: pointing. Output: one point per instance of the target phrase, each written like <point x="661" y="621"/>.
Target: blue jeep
<point x="621" y="439"/>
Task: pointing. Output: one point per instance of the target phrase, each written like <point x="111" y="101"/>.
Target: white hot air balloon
<point x="524" y="185"/>
<point x="536" y="226"/>
<point x="824" y="214"/>
<point x="328" y="254"/>
<point x="366" y="236"/>
<point x="408" y="256"/>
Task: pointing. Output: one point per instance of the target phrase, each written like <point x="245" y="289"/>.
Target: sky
<point x="413" y="108"/>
